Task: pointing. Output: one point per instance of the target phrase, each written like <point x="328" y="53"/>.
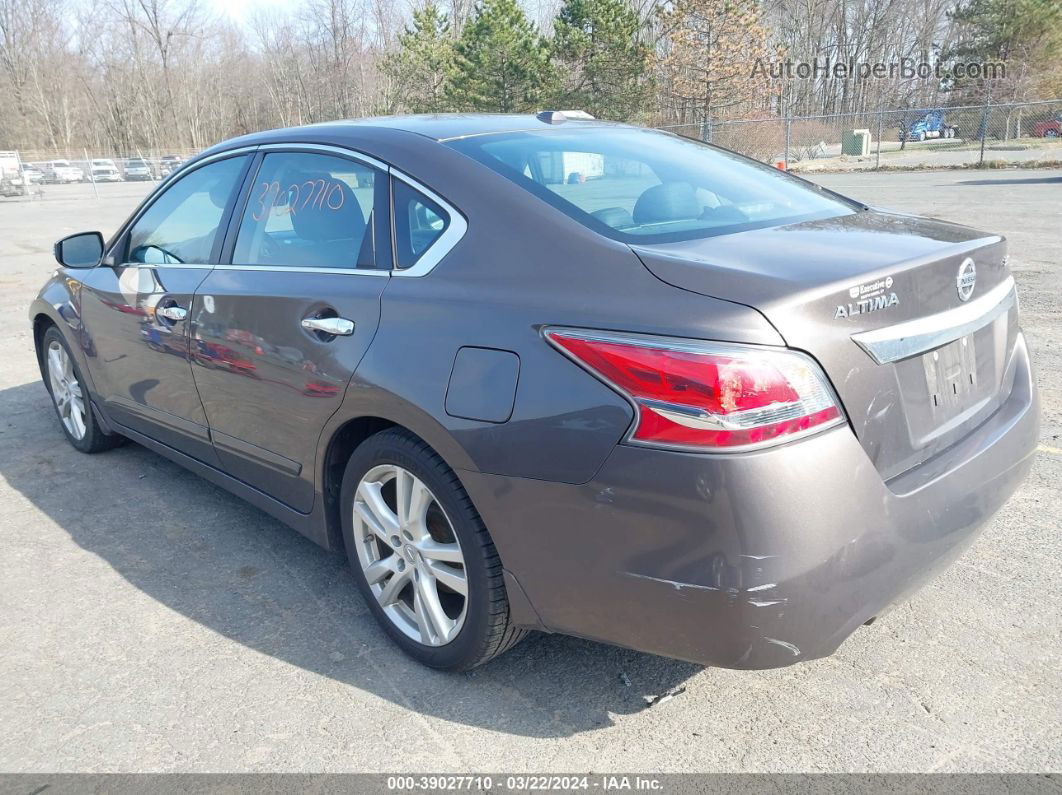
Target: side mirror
<point x="79" y="251"/>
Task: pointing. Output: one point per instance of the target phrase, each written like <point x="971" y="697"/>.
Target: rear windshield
<point x="641" y="186"/>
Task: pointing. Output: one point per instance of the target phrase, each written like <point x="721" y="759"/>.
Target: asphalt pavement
<point x="151" y="622"/>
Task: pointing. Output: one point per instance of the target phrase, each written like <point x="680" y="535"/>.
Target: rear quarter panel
<point x="521" y="266"/>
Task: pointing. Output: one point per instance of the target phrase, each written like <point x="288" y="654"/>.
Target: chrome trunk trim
<point x="914" y="337"/>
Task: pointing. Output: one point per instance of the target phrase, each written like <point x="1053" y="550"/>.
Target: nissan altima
<point x="550" y="373"/>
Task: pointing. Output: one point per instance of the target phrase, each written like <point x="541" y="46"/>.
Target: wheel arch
<point x="345" y="433"/>
<point x="341" y="444"/>
<point x="57" y="305"/>
<point x="46" y="317"/>
<point x="42" y="321"/>
<point x="337" y="451"/>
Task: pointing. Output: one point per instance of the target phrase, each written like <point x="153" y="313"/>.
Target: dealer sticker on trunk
<point x="869" y="297"/>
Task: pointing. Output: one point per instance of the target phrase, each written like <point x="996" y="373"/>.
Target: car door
<point x="135" y="306"/>
<point x="281" y="327"/>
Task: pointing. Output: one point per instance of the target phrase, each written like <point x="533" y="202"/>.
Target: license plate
<point x="951" y="376"/>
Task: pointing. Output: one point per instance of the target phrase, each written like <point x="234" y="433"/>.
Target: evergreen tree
<point x="714" y="48"/>
<point x="421" y="66"/>
<point x="606" y="66"/>
<point x="501" y="64"/>
<point x="1024" y="35"/>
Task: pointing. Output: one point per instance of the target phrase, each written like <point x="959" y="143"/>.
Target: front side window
<point x="640" y="186"/>
<point x="419" y="222"/>
<point x="181" y="225"/>
<point x="309" y="210"/>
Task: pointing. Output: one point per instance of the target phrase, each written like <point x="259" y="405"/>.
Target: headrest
<point x="616" y="217"/>
<point x="326" y="209"/>
<point x="670" y="201"/>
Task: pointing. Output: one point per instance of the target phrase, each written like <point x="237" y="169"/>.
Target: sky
<point x="242" y="10"/>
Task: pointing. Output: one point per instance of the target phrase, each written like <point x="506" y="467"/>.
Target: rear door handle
<point x="173" y="313"/>
<point x="334" y="326"/>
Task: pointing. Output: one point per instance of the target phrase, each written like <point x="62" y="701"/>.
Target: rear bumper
<point x="754" y="560"/>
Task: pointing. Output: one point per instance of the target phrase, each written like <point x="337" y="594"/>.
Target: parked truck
<point x="13" y="182"/>
<point x="931" y="125"/>
<point x="100" y="169"/>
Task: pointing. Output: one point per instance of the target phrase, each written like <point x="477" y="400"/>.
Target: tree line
<point x="138" y="75"/>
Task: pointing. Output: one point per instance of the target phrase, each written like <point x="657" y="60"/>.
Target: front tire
<point x="421" y="556"/>
<point x="70" y="398"/>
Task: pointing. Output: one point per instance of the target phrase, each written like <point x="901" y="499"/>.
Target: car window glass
<point x="308" y="210"/>
<point x="639" y="186"/>
<point x="598" y="183"/>
<point x="419" y="222"/>
<point x="182" y="224"/>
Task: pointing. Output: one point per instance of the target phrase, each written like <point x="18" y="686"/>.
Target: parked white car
<point x="60" y="172"/>
<point x="103" y="170"/>
<point x="137" y="169"/>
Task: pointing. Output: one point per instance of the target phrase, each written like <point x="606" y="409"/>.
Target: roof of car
<point x="443" y="126"/>
<point x="434" y="127"/>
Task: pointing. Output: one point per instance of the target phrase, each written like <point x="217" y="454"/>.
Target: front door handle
<point x="173" y="313"/>
<point x="333" y="326"/>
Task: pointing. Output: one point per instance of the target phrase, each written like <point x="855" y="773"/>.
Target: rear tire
<point x="402" y="549"/>
<point x="70" y="398"/>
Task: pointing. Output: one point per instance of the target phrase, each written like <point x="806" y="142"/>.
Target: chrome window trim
<point x="452" y="235"/>
<point x="338" y="151"/>
<point x="191" y="165"/>
<point x="914" y="337"/>
<point x="187" y="266"/>
<point x="304" y="269"/>
<point x="427" y="262"/>
<point x="350" y="154"/>
<point x="163" y="185"/>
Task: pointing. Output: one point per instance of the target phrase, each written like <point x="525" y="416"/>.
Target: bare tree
<point x="136" y="76"/>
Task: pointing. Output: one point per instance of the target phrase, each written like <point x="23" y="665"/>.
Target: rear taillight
<point x="706" y="395"/>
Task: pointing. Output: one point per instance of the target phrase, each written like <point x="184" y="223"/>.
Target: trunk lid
<point x="875" y="298"/>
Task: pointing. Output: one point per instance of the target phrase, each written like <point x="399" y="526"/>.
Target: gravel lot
<point x="150" y="622"/>
<point x="938" y="153"/>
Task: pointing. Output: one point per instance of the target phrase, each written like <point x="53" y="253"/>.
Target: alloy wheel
<point x="410" y="555"/>
<point x="66" y="391"/>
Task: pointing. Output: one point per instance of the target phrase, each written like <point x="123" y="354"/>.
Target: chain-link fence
<point x="987" y="135"/>
<point x="77" y="173"/>
<point x="973" y="135"/>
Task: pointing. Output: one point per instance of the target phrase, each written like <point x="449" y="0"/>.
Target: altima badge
<point x="966" y="279"/>
<point x="869" y="297"/>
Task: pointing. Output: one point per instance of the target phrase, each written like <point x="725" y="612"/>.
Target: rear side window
<point x="419" y="222"/>
<point x="181" y="225"/>
<point x="640" y="186"/>
<point x="309" y="210"/>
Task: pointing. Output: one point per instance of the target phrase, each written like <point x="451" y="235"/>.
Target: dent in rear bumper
<point x="757" y="560"/>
